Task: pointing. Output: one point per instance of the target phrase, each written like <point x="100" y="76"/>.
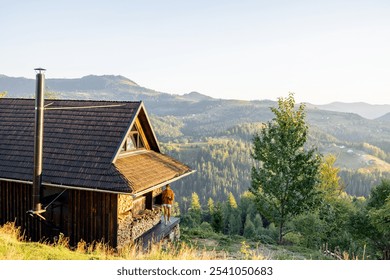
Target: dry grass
<point x="14" y="247"/>
<point x="168" y="251"/>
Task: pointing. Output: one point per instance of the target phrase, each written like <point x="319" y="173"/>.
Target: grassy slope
<point x="13" y="248"/>
<point x="237" y="247"/>
<point x="195" y="246"/>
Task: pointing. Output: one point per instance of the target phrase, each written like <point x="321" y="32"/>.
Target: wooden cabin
<point x="103" y="171"/>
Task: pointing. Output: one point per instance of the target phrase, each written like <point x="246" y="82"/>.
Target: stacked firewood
<point x="145" y="221"/>
<point x="132" y="226"/>
<point x="125" y="221"/>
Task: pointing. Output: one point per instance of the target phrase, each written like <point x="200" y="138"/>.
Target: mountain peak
<point x="110" y="79"/>
<point x="196" y="96"/>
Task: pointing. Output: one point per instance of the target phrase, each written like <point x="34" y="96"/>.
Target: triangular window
<point x="133" y="141"/>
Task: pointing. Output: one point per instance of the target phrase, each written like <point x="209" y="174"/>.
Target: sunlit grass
<point x="210" y="246"/>
<point x="14" y="247"/>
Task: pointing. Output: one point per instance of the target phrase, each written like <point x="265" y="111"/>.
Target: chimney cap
<point x="39" y="70"/>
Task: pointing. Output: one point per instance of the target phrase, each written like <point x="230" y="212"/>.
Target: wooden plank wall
<point x="92" y="217"/>
<point x="15" y="201"/>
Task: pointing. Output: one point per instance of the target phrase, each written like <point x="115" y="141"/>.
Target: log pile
<point x="145" y="221"/>
<point x="131" y="226"/>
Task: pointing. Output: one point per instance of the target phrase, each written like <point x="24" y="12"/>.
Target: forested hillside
<point x="296" y="196"/>
<point x="223" y="160"/>
<point x="214" y="136"/>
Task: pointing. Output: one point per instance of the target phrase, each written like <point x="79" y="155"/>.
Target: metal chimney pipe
<point x="38" y="139"/>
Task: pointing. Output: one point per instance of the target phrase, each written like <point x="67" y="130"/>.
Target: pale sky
<point x="323" y="51"/>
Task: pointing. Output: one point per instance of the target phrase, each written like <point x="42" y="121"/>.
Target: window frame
<point x="136" y="139"/>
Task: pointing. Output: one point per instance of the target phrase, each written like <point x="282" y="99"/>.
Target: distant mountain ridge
<point x="384" y="118"/>
<point x="363" y="109"/>
<point x="203" y="116"/>
<point x="91" y="82"/>
<point x="194" y="119"/>
<point x="77" y="88"/>
<point x="113" y="87"/>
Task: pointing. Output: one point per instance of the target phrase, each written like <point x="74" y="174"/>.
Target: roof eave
<point x="140" y="193"/>
<point x="151" y="127"/>
<point x="66" y="186"/>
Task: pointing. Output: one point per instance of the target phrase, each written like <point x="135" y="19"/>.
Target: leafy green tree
<point x="311" y="228"/>
<point x="380" y="218"/>
<point x="332" y="223"/>
<point x="378" y="207"/>
<point x="361" y="230"/>
<point x="330" y="183"/>
<point x="335" y="214"/>
<point x="3" y="94"/>
<point x="285" y="178"/>
<point x="370" y="223"/>
<point x="379" y="194"/>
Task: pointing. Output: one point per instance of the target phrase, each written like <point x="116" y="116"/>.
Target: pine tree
<point x="258" y="223"/>
<point x="247" y="206"/>
<point x="234" y="226"/>
<point x="249" y="228"/>
<point x="217" y="219"/>
<point x="232" y="203"/>
<point x="207" y="215"/>
<point x="195" y="203"/>
<point x="195" y="212"/>
<point x="231" y="216"/>
<point x="210" y="205"/>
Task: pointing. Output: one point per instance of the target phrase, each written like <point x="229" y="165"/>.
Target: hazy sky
<point x="323" y="51"/>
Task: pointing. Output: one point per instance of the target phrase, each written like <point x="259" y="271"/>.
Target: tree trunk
<point x="386" y="254"/>
<point x="281" y="223"/>
<point x="281" y="232"/>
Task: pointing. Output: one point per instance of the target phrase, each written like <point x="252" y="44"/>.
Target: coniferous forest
<point x="350" y="215"/>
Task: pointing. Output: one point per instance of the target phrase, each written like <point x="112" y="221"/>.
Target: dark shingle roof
<point x="79" y="145"/>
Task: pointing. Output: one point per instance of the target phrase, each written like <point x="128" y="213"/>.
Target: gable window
<point x="133" y="141"/>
